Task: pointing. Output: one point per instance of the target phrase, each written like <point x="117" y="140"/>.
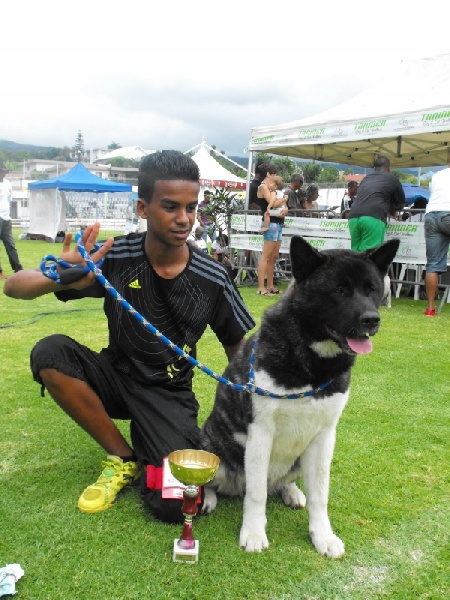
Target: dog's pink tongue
<point x="360" y="346"/>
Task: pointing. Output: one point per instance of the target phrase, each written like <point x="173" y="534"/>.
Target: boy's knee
<point x="39" y="354"/>
<point x="47" y="345"/>
<point x="51" y="352"/>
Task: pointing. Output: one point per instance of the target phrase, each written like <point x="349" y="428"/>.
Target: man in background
<point x="6" y="224"/>
<point x="294" y="201"/>
<point x="380" y="194"/>
<point x="209" y="228"/>
<point x="437" y="234"/>
<point x="197" y="239"/>
<point x="348" y="199"/>
<point x="253" y="200"/>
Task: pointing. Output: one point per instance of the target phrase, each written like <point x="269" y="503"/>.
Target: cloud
<point x="163" y="76"/>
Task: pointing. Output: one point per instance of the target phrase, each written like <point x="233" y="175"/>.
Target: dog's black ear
<point x="383" y="255"/>
<point x="304" y="258"/>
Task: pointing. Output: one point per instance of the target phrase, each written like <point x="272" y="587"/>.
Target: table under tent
<point x="74" y="200"/>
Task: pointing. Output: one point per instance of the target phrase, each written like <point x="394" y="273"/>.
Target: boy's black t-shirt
<point x="180" y="309"/>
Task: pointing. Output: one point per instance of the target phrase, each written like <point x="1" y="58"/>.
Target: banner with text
<point x="326" y="234"/>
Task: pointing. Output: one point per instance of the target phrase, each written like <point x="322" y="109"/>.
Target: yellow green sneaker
<point x="115" y="476"/>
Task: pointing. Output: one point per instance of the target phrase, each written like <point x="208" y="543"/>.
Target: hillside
<point x="14" y="147"/>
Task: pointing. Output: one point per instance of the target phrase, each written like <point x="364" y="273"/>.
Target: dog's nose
<point x="370" y="319"/>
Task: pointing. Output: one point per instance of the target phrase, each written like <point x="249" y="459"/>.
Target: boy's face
<point x="170" y="214"/>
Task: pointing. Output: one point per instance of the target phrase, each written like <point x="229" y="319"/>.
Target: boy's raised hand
<point x="89" y="239"/>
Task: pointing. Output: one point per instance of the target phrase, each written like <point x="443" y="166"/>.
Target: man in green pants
<point x="380" y="194"/>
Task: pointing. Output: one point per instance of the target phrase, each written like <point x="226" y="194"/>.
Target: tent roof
<point x="406" y="118"/>
<point x="80" y="179"/>
<point x="132" y="152"/>
<point x="214" y="174"/>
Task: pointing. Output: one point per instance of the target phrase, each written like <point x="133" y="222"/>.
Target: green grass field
<point x="389" y="498"/>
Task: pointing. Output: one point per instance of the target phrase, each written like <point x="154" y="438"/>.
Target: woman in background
<point x="272" y="237"/>
<point x="310" y="202"/>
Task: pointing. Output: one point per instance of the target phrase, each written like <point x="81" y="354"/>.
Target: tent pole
<point x="249" y="177"/>
<point x="55" y="215"/>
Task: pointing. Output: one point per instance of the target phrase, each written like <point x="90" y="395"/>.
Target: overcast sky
<point x="163" y="74"/>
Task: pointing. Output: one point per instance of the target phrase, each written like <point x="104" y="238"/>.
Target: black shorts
<point x="161" y="419"/>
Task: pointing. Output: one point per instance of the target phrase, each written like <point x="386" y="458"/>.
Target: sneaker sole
<point x="104" y="506"/>
<point x="92" y="511"/>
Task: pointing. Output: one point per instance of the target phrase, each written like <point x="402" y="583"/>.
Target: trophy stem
<point x="189" y="510"/>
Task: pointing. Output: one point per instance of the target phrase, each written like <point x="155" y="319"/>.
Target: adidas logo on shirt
<point x="135" y="285"/>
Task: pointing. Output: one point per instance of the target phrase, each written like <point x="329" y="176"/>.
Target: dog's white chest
<point x="291" y="425"/>
<point x="295" y="427"/>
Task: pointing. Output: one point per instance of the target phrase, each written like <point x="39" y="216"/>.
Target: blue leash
<point x="73" y="272"/>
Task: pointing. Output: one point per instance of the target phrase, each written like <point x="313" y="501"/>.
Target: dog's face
<point x="339" y="291"/>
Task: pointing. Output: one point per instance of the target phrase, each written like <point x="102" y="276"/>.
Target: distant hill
<point x="240" y="160"/>
<point x="14" y="147"/>
<point x="342" y="167"/>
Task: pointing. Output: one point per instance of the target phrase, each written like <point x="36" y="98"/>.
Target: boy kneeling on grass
<point x="137" y="377"/>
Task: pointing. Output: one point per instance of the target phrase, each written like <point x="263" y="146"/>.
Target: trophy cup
<point x="192" y="468"/>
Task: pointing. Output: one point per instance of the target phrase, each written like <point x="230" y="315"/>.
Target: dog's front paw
<point x="209" y="501"/>
<point x="253" y="540"/>
<point x="329" y="545"/>
<point x="293" y="497"/>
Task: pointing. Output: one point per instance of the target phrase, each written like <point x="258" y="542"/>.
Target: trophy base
<point x="185" y="556"/>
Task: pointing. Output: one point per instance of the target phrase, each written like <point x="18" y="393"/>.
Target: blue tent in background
<point x="80" y="179"/>
<point x="412" y="192"/>
<point x="49" y="199"/>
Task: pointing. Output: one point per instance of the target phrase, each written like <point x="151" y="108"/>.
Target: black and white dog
<point x="307" y="341"/>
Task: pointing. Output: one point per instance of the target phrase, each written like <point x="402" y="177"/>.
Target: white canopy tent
<point x="406" y="118"/>
<point x="213" y="174"/>
<point x="131" y="152"/>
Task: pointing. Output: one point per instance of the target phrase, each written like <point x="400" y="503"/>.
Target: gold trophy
<point x="192" y="468"/>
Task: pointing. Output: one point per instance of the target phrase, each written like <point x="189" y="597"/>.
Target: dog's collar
<point x="251" y="387"/>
